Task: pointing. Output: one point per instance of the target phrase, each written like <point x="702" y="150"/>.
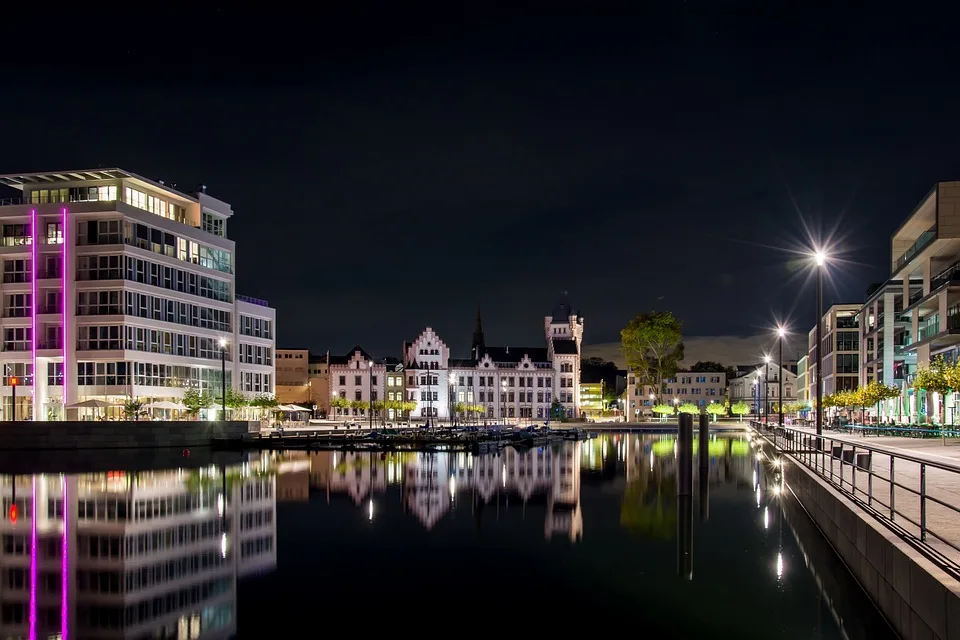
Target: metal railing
<point x="919" y="245"/>
<point x="915" y="495"/>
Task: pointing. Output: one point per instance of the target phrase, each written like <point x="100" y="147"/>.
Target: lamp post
<point x="223" y="378"/>
<point x="766" y="389"/>
<point x="370" y="403"/>
<point x="781" y="333"/>
<point x="452" y="395"/>
<point x="653" y="397"/>
<point x="503" y="401"/>
<point x="756" y="397"/>
<point x="820" y="258"/>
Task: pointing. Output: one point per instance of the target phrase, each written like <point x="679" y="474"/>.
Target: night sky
<point x="390" y="171"/>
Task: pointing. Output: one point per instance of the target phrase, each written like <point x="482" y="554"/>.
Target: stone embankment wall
<point x="918" y="598"/>
<point x="117" y="435"/>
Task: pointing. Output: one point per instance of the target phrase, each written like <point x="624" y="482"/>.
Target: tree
<point x="235" y="399"/>
<point x="408" y="406"/>
<point x="689" y="407"/>
<point x="265" y="401"/>
<point x="557" y="412"/>
<point x="133" y="409"/>
<point x="937" y="378"/>
<point x="716" y="410"/>
<point x="195" y="400"/>
<point x="708" y="366"/>
<point x="652" y="344"/>
<point x="740" y="409"/>
<point x="663" y="410"/>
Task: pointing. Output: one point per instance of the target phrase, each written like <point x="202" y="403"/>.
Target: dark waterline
<point x="546" y="539"/>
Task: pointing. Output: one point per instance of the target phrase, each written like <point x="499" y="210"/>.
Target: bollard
<point x="704" y="441"/>
<point x="685" y="537"/>
<point x="685" y="455"/>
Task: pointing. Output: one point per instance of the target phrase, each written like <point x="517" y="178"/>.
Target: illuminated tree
<point x="652" y="344"/>
<point x="716" y="410"/>
<point x="689" y="407"/>
<point x="740" y="409"/>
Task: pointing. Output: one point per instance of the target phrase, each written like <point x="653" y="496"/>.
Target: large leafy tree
<point x="652" y="344"/>
<point x="708" y="366"/>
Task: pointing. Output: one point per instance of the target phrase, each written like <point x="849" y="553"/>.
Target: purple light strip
<point x="33" y="306"/>
<point x="33" y="563"/>
<point x="64" y="564"/>
<point x="63" y="304"/>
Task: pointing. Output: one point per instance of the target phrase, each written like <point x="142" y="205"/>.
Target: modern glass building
<point x="116" y="287"/>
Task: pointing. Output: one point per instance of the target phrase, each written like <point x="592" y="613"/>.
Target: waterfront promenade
<point x="942" y="482"/>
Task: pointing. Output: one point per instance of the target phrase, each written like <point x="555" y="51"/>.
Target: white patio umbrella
<point x="166" y="404"/>
<point x="290" y="408"/>
<point x="92" y="404"/>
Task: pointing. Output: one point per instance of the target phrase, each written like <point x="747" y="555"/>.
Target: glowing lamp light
<point x="223" y="342"/>
<point x="13" y="381"/>
<point x="781" y="332"/>
<point x="12" y="514"/>
<point x="820" y="257"/>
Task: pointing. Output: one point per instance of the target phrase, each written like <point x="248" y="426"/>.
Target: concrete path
<point x="941" y="463"/>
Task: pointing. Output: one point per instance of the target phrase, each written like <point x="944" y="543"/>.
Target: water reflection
<point x="165" y="554"/>
<point x="151" y="554"/>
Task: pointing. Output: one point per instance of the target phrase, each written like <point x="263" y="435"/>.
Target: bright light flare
<point x="820" y="257"/>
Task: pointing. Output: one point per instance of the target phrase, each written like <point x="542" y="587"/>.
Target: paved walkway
<point x="943" y="484"/>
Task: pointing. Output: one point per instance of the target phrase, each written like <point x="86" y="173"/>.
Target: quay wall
<point x="33" y="436"/>
<point x="919" y="599"/>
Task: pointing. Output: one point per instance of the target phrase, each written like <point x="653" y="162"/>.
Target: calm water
<point x="588" y="533"/>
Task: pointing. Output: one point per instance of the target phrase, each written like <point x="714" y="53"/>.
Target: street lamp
<point x="452" y="395"/>
<point x="756" y="397"/>
<point x="503" y="401"/>
<point x="781" y="334"/>
<point x="370" y="403"/>
<point x="820" y="258"/>
<point x="223" y="378"/>
<point x="766" y="389"/>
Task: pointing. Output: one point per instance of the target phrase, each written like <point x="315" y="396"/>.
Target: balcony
<point x="949" y="276"/>
<point x="921" y="243"/>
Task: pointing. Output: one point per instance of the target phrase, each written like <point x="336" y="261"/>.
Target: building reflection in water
<point x="130" y="555"/>
<point x="432" y="484"/>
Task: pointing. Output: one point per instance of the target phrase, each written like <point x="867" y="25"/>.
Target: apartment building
<point x="803" y="390"/>
<point x="884" y="334"/>
<point x="840" y="351"/>
<point x="699" y="388"/>
<point x="115" y="287"/>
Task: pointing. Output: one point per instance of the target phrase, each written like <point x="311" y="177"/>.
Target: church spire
<point x="477" y="347"/>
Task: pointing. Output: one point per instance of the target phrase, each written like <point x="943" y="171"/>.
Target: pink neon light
<point x="33" y="306"/>
<point x="63" y="303"/>
<point x="33" y="563"/>
<point x="64" y="565"/>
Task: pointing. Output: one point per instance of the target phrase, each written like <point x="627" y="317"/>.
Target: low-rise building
<point x="591" y="399"/>
<point x="696" y="387"/>
<point x="293" y="376"/>
<point x="355" y="380"/>
<point x="760" y="389"/>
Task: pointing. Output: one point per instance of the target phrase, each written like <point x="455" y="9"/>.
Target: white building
<point x="694" y="387"/>
<point x="356" y="378"/>
<point x="508" y="382"/>
<point x="760" y="389"/>
<point x="147" y="273"/>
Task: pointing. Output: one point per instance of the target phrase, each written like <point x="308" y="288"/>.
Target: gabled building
<point x="355" y="377"/>
<point x="508" y="382"/>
